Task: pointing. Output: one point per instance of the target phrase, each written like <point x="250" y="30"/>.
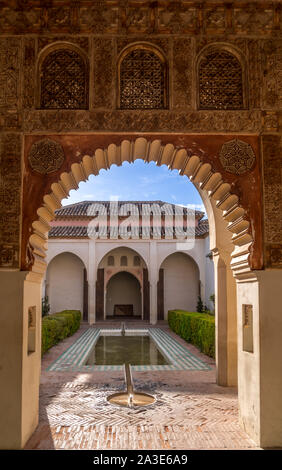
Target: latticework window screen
<point x="220" y="81"/>
<point x="142" y="81"/>
<point x="64" y="81"/>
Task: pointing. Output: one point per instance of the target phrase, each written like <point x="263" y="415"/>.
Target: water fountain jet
<point x="130" y="398"/>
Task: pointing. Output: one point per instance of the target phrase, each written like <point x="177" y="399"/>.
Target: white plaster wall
<point x="77" y="247"/>
<point x="103" y="248"/>
<point x="117" y="253"/>
<point x="196" y="251"/>
<point x="181" y="283"/>
<point x="64" y="283"/>
<point x="123" y="288"/>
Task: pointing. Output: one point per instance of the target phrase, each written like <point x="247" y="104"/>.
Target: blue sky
<point x="138" y="181"/>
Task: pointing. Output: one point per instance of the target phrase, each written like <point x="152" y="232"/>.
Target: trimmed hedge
<point x="58" y="326"/>
<point x="195" y="328"/>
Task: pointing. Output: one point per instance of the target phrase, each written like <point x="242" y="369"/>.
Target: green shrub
<point x="195" y="328"/>
<point x="45" y="306"/>
<point x="58" y="326"/>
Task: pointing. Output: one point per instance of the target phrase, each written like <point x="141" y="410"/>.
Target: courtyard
<point x="190" y="412"/>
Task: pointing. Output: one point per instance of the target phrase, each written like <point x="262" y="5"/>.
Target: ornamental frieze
<point x="116" y="16"/>
<point x="142" y="121"/>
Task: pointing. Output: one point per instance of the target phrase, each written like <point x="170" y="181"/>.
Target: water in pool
<point x="118" y="350"/>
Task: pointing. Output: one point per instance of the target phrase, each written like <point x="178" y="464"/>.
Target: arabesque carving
<point x="46" y="156"/>
<point x="9" y="72"/>
<point x="272" y="167"/>
<point x="10" y="191"/>
<point x="237" y="156"/>
<point x="144" y="121"/>
<point x="113" y="16"/>
<point x="272" y="55"/>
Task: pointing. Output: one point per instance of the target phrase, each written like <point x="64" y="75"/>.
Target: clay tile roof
<point x="82" y="232"/>
<point x="203" y="227"/>
<point x="87" y="208"/>
<point x="68" y="232"/>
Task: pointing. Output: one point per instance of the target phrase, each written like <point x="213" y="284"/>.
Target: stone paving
<point x="190" y="412"/>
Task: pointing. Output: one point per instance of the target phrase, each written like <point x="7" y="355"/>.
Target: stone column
<point x="225" y="320"/>
<point x="259" y="356"/>
<point x="20" y="356"/>
<point x="153" y="302"/>
<point x="153" y="277"/>
<point x="92" y="277"/>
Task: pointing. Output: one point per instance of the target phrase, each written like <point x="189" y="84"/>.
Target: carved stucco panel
<point x="46" y="156"/>
<point x="29" y="73"/>
<point x="98" y="18"/>
<point x="177" y="19"/>
<point x="104" y="73"/>
<point x="10" y="190"/>
<point x="255" y="73"/>
<point x="272" y="62"/>
<point x="272" y="167"/>
<point x="250" y="19"/>
<point x="20" y="20"/>
<point x="215" y="19"/>
<point x="112" y="16"/>
<point x="59" y="17"/>
<point x="10" y="100"/>
<point x="9" y="72"/>
<point x="137" y="19"/>
<point x="237" y="156"/>
<point x="143" y="121"/>
<point x="182" y="73"/>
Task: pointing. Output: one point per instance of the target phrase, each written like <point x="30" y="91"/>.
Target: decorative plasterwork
<point x="272" y="166"/>
<point x="10" y="193"/>
<point x="116" y="16"/>
<point x="46" y="156"/>
<point x="237" y="156"/>
<point x="145" y="121"/>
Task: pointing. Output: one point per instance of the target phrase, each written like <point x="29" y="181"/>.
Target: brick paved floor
<point x="190" y="412"/>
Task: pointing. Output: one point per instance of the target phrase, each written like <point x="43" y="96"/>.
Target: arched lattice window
<point x="123" y="260"/>
<point x="64" y="80"/>
<point x="220" y="81"/>
<point x="111" y="260"/>
<point x="142" y="79"/>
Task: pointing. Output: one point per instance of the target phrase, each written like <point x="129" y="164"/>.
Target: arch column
<point x="20" y="356"/>
<point x="259" y="355"/>
<point x="92" y="278"/>
<point x="225" y="320"/>
<point x="153" y="277"/>
<point x="153" y="302"/>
